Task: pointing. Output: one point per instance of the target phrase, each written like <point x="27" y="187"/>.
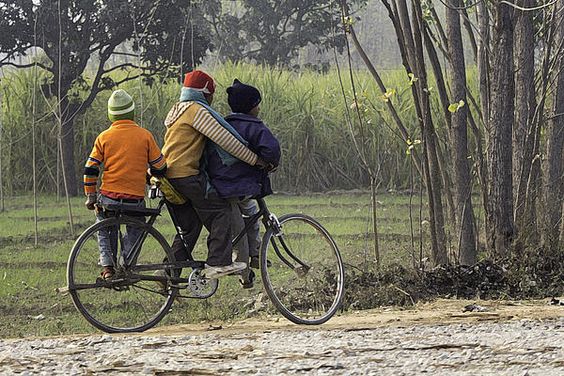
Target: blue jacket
<point x="241" y="179"/>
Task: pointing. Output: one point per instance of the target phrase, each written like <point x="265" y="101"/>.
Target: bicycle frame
<point x="150" y="266"/>
<point x="269" y="220"/>
<point x="134" y="252"/>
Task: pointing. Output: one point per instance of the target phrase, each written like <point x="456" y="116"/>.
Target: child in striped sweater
<point x="192" y="124"/>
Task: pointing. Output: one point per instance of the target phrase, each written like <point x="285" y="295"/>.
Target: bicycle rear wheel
<point x="302" y="270"/>
<point x="126" y="302"/>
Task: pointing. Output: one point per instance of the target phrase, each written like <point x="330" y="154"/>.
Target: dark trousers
<point x="211" y="211"/>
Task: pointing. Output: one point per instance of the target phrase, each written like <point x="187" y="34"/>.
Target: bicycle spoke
<point x="126" y="302"/>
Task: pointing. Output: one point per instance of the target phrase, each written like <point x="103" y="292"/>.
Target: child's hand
<point x="261" y="164"/>
<point x="271" y="168"/>
<point x="90" y="202"/>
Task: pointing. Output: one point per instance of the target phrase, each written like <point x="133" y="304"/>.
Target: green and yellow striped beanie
<point x="120" y="106"/>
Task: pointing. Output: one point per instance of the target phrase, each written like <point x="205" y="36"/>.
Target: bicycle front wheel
<point x="302" y="270"/>
<point x="130" y="301"/>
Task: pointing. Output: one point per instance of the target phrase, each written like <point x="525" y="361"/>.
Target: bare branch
<point x="555" y="116"/>
<point x="124" y="54"/>
<point x="122" y="66"/>
<point x="130" y="78"/>
<point x="528" y="9"/>
<point x="461" y="8"/>
<point x="30" y="65"/>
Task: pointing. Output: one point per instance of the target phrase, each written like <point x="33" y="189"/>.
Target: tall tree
<point x="1" y="169"/>
<point x="87" y="33"/>
<point x="483" y="60"/>
<point x="459" y="147"/>
<point x="412" y="25"/>
<point x="273" y="31"/>
<point x="526" y="129"/>
<point x="554" y="171"/>
<point x="409" y="27"/>
<point x="500" y="225"/>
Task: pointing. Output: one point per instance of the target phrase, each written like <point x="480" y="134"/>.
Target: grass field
<point x="29" y="274"/>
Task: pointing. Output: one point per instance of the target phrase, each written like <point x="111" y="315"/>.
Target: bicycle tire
<point x="304" y="296"/>
<point x="97" y="304"/>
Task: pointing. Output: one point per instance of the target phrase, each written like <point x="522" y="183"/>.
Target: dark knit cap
<point x="242" y="98"/>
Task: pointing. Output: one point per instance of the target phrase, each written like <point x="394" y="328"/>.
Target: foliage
<point x="273" y="31"/>
<point x="397" y="285"/>
<point x="67" y="37"/>
<point x="90" y="31"/>
<point x="306" y="111"/>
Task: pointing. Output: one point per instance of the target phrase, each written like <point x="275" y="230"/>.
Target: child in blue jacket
<point x="241" y="182"/>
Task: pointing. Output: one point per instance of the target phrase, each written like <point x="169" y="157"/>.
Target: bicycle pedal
<point x="62" y="290"/>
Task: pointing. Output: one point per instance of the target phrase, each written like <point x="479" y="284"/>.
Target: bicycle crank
<point x="200" y="287"/>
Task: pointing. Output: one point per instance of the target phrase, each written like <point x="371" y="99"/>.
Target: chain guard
<point x="200" y="287"/>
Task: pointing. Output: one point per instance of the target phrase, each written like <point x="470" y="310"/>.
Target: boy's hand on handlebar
<point x="263" y="165"/>
<point x="271" y="168"/>
<point x="90" y="202"/>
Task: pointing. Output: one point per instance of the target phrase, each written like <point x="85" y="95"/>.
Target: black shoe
<point x="255" y="263"/>
<point x="250" y="282"/>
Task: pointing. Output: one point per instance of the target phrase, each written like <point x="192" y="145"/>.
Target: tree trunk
<point x="375" y="221"/>
<point x="1" y="144"/>
<point x="414" y="47"/>
<point x="554" y="171"/>
<point x="440" y="255"/>
<point x="483" y="60"/>
<point x="459" y="147"/>
<point x="483" y="63"/>
<point x="524" y="130"/>
<point x="411" y="48"/>
<point x="443" y="95"/>
<point x="500" y="226"/>
<point x="67" y="145"/>
<point x="470" y="32"/>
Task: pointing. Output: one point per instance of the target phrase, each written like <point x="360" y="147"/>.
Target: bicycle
<point x="300" y="264"/>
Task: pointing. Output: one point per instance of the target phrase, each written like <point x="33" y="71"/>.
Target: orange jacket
<point x="125" y="150"/>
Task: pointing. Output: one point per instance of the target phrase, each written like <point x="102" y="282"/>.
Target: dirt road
<point x="437" y="338"/>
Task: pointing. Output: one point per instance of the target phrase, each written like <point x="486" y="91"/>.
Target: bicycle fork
<point x="278" y="233"/>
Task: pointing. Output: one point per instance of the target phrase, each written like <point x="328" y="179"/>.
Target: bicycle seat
<point x="131" y="211"/>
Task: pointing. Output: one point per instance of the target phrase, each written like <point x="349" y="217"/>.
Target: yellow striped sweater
<point x="188" y="125"/>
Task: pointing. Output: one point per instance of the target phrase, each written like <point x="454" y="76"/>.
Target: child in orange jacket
<point x="124" y="150"/>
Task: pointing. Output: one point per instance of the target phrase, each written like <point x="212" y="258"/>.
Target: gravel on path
<point x="517" y="347"/>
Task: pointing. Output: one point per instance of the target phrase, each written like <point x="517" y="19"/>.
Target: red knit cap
<point x="199" y="81"/>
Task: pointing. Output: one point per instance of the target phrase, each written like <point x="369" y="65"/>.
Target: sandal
<point x="107" y="272"/>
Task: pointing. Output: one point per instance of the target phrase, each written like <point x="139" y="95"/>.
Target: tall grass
<point x="306" y="111"/>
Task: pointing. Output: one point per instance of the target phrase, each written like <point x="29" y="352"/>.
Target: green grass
<point x="305" y="110"/>
<point x="30" y="274"/>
